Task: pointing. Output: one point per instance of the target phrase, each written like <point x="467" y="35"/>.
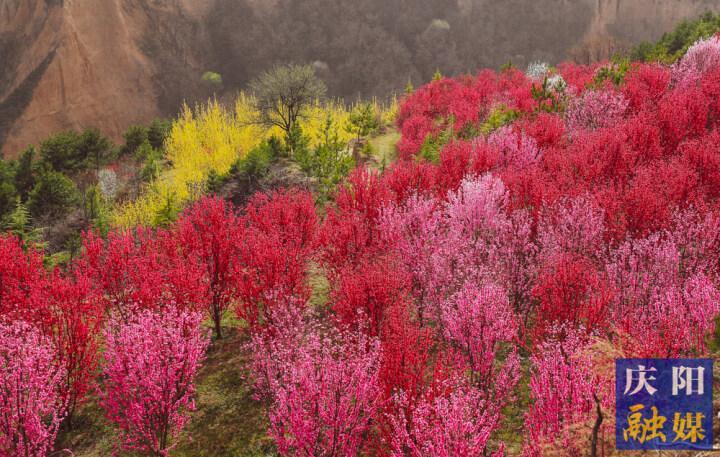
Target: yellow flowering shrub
<point x="314" y="122"/>
<point x="204" y="140"/>
<point x="209" y="139"/>
<point x="388" y="113"/>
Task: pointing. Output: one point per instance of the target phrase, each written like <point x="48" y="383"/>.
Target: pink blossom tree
<point x="476" y="321"/>
<point x="515" y="150"/>
<point x="31" y="403"/>
<point x="418" y="234"/>
<point x="453" y="251"/>
<point x="322" y="386"/>
<point x="571" y="226"/>
<point x="697" y="237"/>
<point x="567" y="388"/>
<point x="700" y="58"/>
<point x="470" y="237"/>
<point x="490" y="241"/>
<point x="514" y="258"/>
<point x="595" y="109"/>
<point x="460" y="422"/>
<point x="151" y="364"/>
<point x="665" y="308"/>
<point x="448" y="243"/>
<point x="275" y="346"/>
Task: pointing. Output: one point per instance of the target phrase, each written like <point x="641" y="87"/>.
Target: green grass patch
<point x="383" y="147"/>
<point x="228" y="421"/>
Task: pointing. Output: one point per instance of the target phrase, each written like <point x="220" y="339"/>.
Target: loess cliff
<point x="112" y="63"/>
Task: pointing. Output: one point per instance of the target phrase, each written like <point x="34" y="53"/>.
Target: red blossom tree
<point x="76" y="318"/>
<point x="22" y="281"/>
<point x="571" y="291"/>
<point x="276" y="249"/>
<point x="65" y="308"/>
<point x="364" y="295"/>
<point x="210" y="235"/>
<point x="142" y="269"/>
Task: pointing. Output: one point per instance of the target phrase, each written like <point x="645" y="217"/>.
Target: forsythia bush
<point x="209" y="139"/>
<point x="314" y="125"/>
<point x="204" y="140"/>
<point x="389" y="112"/>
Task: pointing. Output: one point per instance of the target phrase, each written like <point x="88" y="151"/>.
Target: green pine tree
<point x="18" y="222"/>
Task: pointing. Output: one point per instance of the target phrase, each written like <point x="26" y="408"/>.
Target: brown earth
<point x="104" y="63"/>
<point x="69" y="64"/>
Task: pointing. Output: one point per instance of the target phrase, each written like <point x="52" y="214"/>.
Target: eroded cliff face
<point x="103" y="63"/>
<point x="112" y="63"/>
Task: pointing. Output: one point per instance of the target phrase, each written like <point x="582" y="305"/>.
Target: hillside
<point x="453" y="272"/>
<point x="113" y="63"/>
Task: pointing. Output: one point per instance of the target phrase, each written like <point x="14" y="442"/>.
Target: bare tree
<point x="283" y="94"/>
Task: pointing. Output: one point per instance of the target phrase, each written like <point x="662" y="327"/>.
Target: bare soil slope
<point x="103" y="63"/>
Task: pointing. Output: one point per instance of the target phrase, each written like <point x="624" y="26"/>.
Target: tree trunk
<point x="596" y="427"/>
<point x="217" y="318"/>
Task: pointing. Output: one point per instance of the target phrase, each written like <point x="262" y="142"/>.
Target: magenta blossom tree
<point x="151" y="363"/>
<point x="567" y="388"/>
<point x="322" y="385"/>
<point x="460" y="422"/>
<point x="476" y="321"/>
<point x="31" y="403"/>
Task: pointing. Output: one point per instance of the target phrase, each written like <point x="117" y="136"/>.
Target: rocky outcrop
<point x="112" y="63"/>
